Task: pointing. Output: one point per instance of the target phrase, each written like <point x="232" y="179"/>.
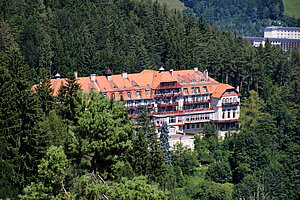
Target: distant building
<point x="185" y="99"/>
<point x="282" y="32"/>
<point x="285" y="37"/>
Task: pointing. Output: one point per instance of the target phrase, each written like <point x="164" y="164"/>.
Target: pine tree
<point x="22" y="142"/>
<point x="52" y="172"/>
<point x="164" y="143"/>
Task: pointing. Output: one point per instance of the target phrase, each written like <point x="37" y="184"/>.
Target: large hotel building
<point x="285" y="37"/>
<point x="185" y="99"/>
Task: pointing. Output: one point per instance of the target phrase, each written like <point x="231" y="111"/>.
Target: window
<point x="121" y="95"/>
<point x="233" y="114"/>
<point x="205" y="88"/>
<point x="138" y="94"/>
<point x="129" y="95"/>
<point x="223" y="115"/>
<point x="172" y="120"/>
<point x="113" y="95"/>
<point x="228" y="114"/>
<point x="186" y="91"/>
<point x="105" y="95"/>
<point x="179" y="119"/>
<point x="196" y="90"/>
<point x="193" y="126"/>
<point x="147" y="92"/>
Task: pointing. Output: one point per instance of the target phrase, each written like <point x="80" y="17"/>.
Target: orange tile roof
<point x="221" y="88"/>
<point x="146" y="80"/>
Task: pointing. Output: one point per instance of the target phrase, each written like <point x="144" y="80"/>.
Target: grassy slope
<point x="173" y="4"/>
<point x="292" y="8"/>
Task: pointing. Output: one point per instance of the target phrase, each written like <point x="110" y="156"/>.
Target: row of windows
<point x="137" y="93"/>
<point x="167" y="84"/>
<point x="167" y="91"/>
<point x="229" y="114"/>
<point x="229" y="100"/>
<point x="197" y="117"/>
<point x="192" y="126"/>
<point x="196" y="106"/>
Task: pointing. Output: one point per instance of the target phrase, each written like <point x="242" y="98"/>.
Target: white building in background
<point x="282" y="32"/>
<point x="185" y="99"/>
<point x="285" y="37"/>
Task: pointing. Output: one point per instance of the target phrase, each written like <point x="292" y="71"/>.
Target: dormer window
<point x="138" y="94"/>
<point x="136" y="85"/>
<point x="115" y="86"/>
<point x="113" y="95"/>
<point x="193" y="80"/>
<point x="147" y="92"/>
<point x="183" y="81"/>
<point x="205" y="89"/>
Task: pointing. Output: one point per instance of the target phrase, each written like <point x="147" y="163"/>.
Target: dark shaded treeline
<point x="91" y="36"/>
<point x="247" y="18"/>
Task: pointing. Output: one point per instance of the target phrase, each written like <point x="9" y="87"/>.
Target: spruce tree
<point x="21" y="141"/>
<point x="164" y="143"/>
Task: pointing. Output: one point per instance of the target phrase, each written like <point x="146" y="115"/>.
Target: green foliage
<point x="21" y="141"/>
<point x="210" y="190"/>
<point x="51" y="177"/>
<point x="103" y="132"/>
<point x="164" y="143"/>
<point x="137" y="188"/>
<point x="185" y="159"/>
<point x="219" y="172"/>
<point x="248" y="18"/>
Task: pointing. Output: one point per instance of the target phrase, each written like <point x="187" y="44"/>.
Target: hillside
<point x="247" y="18"/>
<point x="85" y="146"/>
<point x="292" y="8"/>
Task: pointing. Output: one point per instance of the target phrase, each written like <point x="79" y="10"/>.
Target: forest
<point x="246" y="18"/>
<point x="84" y="146"/>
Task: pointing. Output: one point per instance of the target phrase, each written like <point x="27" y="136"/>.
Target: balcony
<point x="181" y="111"/>
<point x="230" y="104"/>
<point x="197" y="101"/>
<point x="135" y="106"/>
<point x="167" y="104"/>
<point x="168" y="87"/>
<point x="167" y="95"/>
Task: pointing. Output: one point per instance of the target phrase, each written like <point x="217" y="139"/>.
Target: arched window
<point x="112" y="95"/>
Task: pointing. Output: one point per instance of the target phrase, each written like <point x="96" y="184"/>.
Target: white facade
<point x="282" y="32"/>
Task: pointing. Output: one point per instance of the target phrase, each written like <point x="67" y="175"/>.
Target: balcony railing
<point x="197" y="101"/>
<point x="230" y="104"/>
<point x="181" y="111"/>
<point x="167" y="104"/>
<point x="130" y="106"/>
<point x="168" y="87"/>
<point x="167" y="95"/>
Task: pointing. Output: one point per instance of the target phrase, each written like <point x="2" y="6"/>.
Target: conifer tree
<point x="164" y="143"/>
<point x="22" y="142"/>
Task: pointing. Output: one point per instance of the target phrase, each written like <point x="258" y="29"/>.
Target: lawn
<point x="292" y="8"/>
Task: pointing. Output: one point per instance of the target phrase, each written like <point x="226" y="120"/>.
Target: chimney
<point x="76" y="75"/>
<point x="205" y="73"/>
<point x="161" y="69"/>
<point x="124" y="75"/>
<point x="93" y="77"/>
<point x="171" y="71"/>
<point x="195" y="69"/>
<point x="57" y="76"/>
